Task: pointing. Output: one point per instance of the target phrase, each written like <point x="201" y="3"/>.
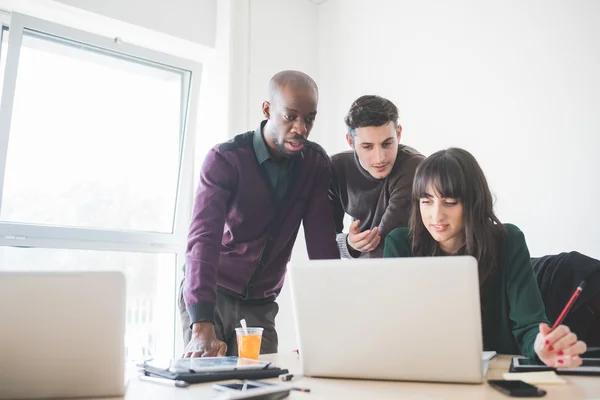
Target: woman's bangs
<point x="442" y="175"/>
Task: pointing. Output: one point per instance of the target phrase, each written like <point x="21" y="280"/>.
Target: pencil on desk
<point x="305" y="390"/>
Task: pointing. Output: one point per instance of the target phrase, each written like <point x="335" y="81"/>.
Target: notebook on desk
<point x="211" y="369"/>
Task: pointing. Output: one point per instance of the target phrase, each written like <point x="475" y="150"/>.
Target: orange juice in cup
<point x="249" y="342"/>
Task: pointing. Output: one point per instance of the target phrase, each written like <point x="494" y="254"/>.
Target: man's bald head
<point x="290" y="111"/>
<point x="290" y="79"/>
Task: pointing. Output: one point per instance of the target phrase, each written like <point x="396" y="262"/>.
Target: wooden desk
<point x="579" y="387"/>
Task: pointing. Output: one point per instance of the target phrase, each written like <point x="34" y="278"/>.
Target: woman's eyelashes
<point x="447" y="202"/>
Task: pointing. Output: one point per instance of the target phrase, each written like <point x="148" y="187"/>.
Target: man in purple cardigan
<point x="254" y="192"/>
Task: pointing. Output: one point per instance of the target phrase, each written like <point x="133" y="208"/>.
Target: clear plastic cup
<point x="249" y="344"/>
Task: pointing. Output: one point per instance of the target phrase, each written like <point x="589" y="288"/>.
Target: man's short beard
<point x="279" y="145"/>
<point x="281" y="148"/>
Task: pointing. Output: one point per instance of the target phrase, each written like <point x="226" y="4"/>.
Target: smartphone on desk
<point x="252" y="390"/>
<point x="517" y="388"/>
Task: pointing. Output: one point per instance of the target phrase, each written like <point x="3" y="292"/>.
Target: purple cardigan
<point x="240" y="239"/>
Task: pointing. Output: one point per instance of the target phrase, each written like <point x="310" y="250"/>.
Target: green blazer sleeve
<point x="525" y="301"/>
<point x="397" y="243"/>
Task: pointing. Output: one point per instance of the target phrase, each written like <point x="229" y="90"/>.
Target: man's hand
<point x="363" y="241"/>
<point x="204" y="342"/>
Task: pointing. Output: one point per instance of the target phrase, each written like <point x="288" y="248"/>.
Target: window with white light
<point x="96" y="169"/>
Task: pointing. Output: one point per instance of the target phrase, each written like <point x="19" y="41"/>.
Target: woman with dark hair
<point x="452" y="214"/>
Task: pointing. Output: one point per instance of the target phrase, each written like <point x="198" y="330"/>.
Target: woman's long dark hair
<point x="455" y="173"/>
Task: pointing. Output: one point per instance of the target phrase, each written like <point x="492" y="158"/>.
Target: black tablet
<point x="210" y="369"/>
<point x="208" y="364"/>
<point x="590" y="366"/>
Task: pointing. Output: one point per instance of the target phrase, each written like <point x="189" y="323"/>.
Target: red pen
<point x="569" y="305"/>
<point x="305" y="390"/>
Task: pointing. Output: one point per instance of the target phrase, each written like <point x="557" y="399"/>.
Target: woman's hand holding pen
<point x="559" y="348"/>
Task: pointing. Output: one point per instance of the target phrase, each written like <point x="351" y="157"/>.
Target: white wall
<point x="193" y="20"/>
<point x="283" y="35"/>
<point x="514" y="82"/>
<point x="269" y="36"/>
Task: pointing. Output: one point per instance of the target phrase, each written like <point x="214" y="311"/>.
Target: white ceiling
<point x="317" y="2"/>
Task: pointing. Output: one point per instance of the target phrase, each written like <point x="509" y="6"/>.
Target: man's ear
<point x="399" y="132"/>
<point x="266" y="109"/>
<point x="350" y="141"/>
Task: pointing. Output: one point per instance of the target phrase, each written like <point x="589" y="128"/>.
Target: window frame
<point x="38" y="235"/>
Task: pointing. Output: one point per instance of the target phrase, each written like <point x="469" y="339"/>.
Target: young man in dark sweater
<point x="254" y="192"/>
<point x="372" y="182"/>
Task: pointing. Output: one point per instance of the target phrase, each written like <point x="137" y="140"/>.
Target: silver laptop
<point x="62" y="334"/>
<point x="394" y="318"/>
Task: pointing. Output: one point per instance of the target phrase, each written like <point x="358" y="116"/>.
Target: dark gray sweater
<point x="375" y="202"/>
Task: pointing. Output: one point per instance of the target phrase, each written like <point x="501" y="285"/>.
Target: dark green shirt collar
<point x="259" y="144"/>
